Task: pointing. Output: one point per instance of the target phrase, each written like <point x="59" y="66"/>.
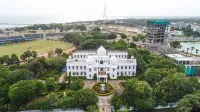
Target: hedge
<point x="107" y="94"/>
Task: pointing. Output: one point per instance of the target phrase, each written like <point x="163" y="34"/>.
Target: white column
<point x="106" y="79"/>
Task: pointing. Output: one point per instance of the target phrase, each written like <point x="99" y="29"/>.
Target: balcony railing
<point x="101" y="73"/>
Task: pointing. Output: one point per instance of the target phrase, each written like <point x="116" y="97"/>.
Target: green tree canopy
<point x="24" y="91"/>
<point x="190" y="103"/>
<point x="123" y="36"/>
<point x="153" y="76"/>
<point x="84" y="98"/>
<point x="57" y="63"/>
<point x="17" y="75"/>
<point x="51" y="84"/>
<point x="139" y="91"/>
<point x="112" y="36"/>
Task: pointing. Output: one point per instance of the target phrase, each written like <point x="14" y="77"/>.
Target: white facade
<point x="101" y="64"/>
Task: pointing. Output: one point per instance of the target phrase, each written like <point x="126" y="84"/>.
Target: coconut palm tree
<point x="192" y="48"/>
<point x="197" y="50"/>
<point x="188" y="50"/>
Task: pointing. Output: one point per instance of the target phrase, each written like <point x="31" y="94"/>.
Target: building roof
<point x="158" y="22"/>
<point x="174" y="55"/>
<point x="180" y="57"/>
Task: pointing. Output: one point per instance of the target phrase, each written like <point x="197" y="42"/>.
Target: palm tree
<point x="23" y="57"/>
<point x="188" y="50"/>
<point x="197" y="50"/>
<point x="192" y="48"/>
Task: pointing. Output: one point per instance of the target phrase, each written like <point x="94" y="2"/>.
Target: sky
<point x="74" y="10"/>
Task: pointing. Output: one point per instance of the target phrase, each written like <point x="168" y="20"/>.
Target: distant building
<point x="157" y="31"/>
<point x="101" y="64"/>
<point x="179" y="24"/>
<point x="192" y="64"/>
<point x="175" y="33"/>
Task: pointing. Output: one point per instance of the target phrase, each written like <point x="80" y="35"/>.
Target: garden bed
<point x="108" y="89"/>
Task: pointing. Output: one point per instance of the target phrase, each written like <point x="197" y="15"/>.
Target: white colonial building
<point x="101" y="64"/>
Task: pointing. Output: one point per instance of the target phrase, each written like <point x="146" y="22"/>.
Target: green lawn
<point x="37" y="45"/>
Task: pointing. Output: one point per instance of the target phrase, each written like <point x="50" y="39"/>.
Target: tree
<point x="84" y="98"/>
<point x="123" y="36"/>
<point x="36" y="66"/>
<point x="27" y="55"/>
<point x="4" y="99"/>
<point x="139" y="91"/>
<point x="56" y="63"/>
<point x="34" y="54"/>
<point x="7" y="59"/>
<point x="69" y="79"/>
<point x="77" y="85"/>
<point x="135" y="38"/>
<point x="175" y="44"/>
<point x="153" y="75"/>
<point x="58" y="51"/>
<point x="116" y="101"/>
<point x="51" y="84"/>
<point x="132" y="45"/>
<point x="197" y="50"/>
<point x="120" y="45"/>
<point x="22" y="57"/>
<point x="17" y="75"/>
<point x="112" y="36"/>
<point x="67" y="103"/>
<point x="192" y="48"/>
<point x="93" y="44"/>
<point x="15" y="59"/>
<point x="24" y="91"/>
<point x="1" y="60"/>
<point x="92" y="108"/>
<point x="190" y="103"/>
<point x="173" y="87"/>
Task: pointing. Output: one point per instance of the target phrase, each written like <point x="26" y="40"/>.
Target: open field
<point x="40" y="46"/>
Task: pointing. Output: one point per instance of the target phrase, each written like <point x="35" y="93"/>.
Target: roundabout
<point x="103" y="89"/>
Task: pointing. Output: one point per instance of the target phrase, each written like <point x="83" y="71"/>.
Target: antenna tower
<point x="105" y="11"/>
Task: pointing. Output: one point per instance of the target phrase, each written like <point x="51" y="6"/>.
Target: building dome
<point x="90" y="59"/>
<point x="101" y="51"/>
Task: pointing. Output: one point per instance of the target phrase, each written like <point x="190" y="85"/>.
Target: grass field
<point x="37" y="45"/>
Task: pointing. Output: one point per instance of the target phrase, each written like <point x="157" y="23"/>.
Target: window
<point x="90" y="69"/>
<point x="78" y="56"/>
<point x="73" y="73"/>
<point x="89" y="75"/>
<point x="85" y="73"/>
<point x="113" y="75"/>
<point x="129" y="73"/>
<point x="129" y="67"/>
<point x="121" y="67"/>
<point x="117" y="67"/>
<point x="113" y="70"/>
<point x="125" y="67"/>
<point x="133" y="67"/>
<point x="69" y="67"/>
<point x="108" y="69"/>
<point x="108" y="74"/>
<point x="117" y="73"/>
<point x="76" y="67"/>
<point x="72" y="67"/>
<point x="84" y="67"/>
<point x="119" y="56"/>
<point x="101" y="62"/>
<point x="80" y="67"/>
